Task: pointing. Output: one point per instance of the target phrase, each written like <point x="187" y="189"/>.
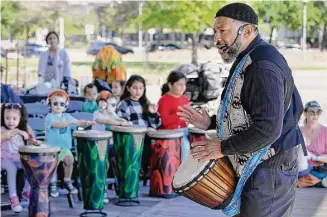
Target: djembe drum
<point x="210" y="183"/>
<point x="165" y="158"/>
<point x="128" y="146"/>
<point x="39" y="164"/>
<point x="197" y="134"/>
<point x="92" y="154"/>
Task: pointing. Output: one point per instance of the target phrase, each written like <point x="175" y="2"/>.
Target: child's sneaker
<point x="15" y="205"/>
<point x="53" y="190"/>
<point x="105" y="198"/>
<point x="324" y="182"/>
<point x="26" y="195"/>
<point x="69" y="186"/>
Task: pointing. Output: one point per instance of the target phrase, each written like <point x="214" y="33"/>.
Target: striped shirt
<point x="132" y="111"/>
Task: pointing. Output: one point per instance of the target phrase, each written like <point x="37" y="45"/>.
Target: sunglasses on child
<point x="62" y="104"/>
<point x="13" y="105"/>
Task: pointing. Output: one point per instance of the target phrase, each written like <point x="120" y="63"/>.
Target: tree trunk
<point x="271" y="34"/>
<point x="195" y="41"/>
<point x="321" y="37"/>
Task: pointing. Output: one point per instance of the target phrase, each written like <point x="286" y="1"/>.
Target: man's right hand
<point x="199" y="119"/>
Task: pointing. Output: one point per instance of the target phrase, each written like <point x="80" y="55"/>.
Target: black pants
<point x="270" y="190"/>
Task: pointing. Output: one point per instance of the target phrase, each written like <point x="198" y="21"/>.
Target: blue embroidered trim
<point x="233" y="207"/>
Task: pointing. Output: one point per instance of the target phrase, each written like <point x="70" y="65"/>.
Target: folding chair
<point x="82" y="116"/>
<point x="38" y="126"/>
<point x="75" y="106"/>
<point x="36" y="110"/>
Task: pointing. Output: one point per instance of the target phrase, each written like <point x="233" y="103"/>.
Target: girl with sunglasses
<point x="14" y="135"/>
<point x="313" y="168"/>
<point x="58" y="132"/>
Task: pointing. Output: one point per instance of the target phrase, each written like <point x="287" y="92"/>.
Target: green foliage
<point x="186" y="16"/>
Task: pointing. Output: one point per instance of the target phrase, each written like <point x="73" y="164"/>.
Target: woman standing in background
<point x="54" y="64"/>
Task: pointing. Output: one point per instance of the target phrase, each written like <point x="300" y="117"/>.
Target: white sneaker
<point x="15" y="205"/>
<point x="105" y="198"/>
<point x="53" y="190"/>
<point x="324" y="182"/>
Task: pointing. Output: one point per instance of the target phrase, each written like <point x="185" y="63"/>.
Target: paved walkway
<point x="311" y="202"/>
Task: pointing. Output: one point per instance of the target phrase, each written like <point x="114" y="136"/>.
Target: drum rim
<point x="181" y="189"/>
<point x="174" y="134"/>
<point x="38" y="149"/>
<point x="100" y="135"/>
<point x="135" y="130"/>
<point x="194" y="130"/>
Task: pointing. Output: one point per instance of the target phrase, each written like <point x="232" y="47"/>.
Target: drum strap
<point x="244" y="165"/>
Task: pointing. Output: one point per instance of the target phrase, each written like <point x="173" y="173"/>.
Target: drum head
<point x="134" y="130"/>
<point x="187" y="171"/>
<point x="43" y="148"/>
<point x="209" y="133"/>
<point x="92" y="134"/>
<point x="165" y="134"/>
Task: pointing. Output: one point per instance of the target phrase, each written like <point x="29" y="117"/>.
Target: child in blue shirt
<point x="90" y="94"/>
<point x="58" y="132"/>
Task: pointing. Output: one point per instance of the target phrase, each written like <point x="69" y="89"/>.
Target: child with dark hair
<point x="172" y="97"/>
<point x="13" y="135"/>
<point x="135" y="107"/>
<point x="90" y="93"/>
<point x="117" y="88"/>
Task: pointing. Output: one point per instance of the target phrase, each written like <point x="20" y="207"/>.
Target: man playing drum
<point x="257" y="118"/>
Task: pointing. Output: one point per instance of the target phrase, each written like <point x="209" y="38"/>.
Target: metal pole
<point x="6" y="66"/>
<point x="304" y="33"/>
<point x="140" y="25"/>
<point x="17" y="75"/>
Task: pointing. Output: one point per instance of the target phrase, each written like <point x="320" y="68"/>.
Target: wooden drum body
<point x="39" y="163"/>
<point x="92" y="150"/>
<point x="165" y="158"/>
<point x="128" y="146"/>
<point x="210" y="183"/>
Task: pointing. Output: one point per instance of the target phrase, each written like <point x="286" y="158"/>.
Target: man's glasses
<point x="62" y="104"/>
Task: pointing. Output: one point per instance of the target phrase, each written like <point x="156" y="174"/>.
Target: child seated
<point x="106" y="114"/>
<point x="14" y="135"/>
<point x="58" y="132"/>
<point x="90" y="94"/>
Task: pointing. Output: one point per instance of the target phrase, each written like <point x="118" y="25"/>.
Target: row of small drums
<point x="209" y="183"/>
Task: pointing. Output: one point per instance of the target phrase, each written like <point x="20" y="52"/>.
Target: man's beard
<point x="232" y="52"/>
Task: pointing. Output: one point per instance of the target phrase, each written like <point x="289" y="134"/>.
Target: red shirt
<point x="168" y="108"/>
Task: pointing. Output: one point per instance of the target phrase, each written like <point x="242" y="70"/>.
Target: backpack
<point x="210" y="80"/>
<point x="203" y="83"/>
<point x="192" y="80"/>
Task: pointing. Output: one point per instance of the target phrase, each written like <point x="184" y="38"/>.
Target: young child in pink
<point x="14" y="135"/>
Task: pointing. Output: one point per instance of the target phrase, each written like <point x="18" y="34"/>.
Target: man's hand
<point x="199" y="119"/>
<point x="206" y="150"/>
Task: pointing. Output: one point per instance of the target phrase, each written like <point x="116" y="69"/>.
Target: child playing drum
<point x="135" y="107"/>
<point x="58" y="132"/>
<point x="106" y="114"/>
<point x="90" y="94"/>
<point x="14" y="135"/>
<point x="172" y="97"/>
